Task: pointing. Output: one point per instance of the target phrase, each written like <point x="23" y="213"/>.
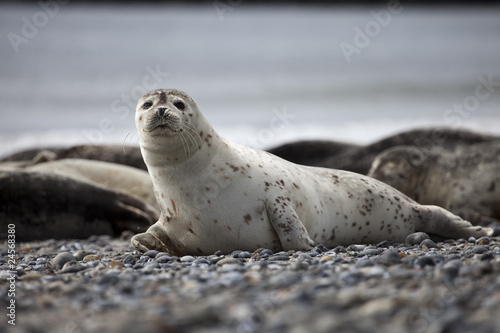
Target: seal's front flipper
<point x="155" y="239"/>
<point x="285" y="221"/>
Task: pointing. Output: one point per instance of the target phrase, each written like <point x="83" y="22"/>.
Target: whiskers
<point x="189" y="136"/>
<point x="131" y="136"/>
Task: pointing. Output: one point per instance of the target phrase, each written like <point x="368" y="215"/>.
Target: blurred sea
<point x="261" y="75"/>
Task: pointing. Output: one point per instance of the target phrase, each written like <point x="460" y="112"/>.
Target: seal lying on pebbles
<point x="113" y="176"/>
<point x="218" y="195"/>
<point x="119" y="154"/>
<point x="46" y="205"/>
<point x="313" y="152"/>
<point x="344" y="156"/>
<point x="466" y="182"/>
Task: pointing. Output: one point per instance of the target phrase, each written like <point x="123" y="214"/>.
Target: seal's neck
<point x="184" y="150"/>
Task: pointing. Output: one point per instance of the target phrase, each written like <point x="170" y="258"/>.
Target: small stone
<point x="483" y="241"/>
<point x="364" y="263"/>
<point x="116" y="264"/>
<point x="231" y="278"/>
<point x="389" y="257"/>
<point x="320" y="248"/>
<point x="416" y="238"/>
<point x="356" y="248"/>
<point x="73" y="267"/>
<point x="351" y="278"/>
<point x="187" y="259"/>
<point x="451" y="268"/>
<point x="79" y="255"/>
<point x="377" y="307"/>
<point x="150" y="253"/>
<point x="428" y="244"/>
<point x="130" y="259"/>
<point x="148" y="269"/>
<point x="369" y="252"/>
<point x="153" y="264"/>
<point x="471" y="239"/>
<point x="424" y="261"/>
<point x="384" y="244"/>
<point x="61" y="259"/>
<point x="266" y="252"/>
<point x="340" y="249"/>
<point x="326" y="258"/>
<point x="228" y="260"/>
<point x="163" y="259"/>
<point x="304" y="257"/>
<point x="299" y="265"/>
<point x="279" y="257"/>
<point x="162" y="254"/>
<point x="91" y="257"/>
<point x="31" y="277"/>
<point x="480" y="249"/>
<point x="244" y="255"/>
<point x="138" y="266"/>
<point x="487" y="255"/>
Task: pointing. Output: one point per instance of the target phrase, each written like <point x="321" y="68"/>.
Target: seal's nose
<point x="162" y="111"/>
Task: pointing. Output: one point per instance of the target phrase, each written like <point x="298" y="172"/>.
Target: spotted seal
<point x="358" y="158"/>
<point x="218" y="195"/>
<point x="45" y="205"/>
<point x="465" y="182"/>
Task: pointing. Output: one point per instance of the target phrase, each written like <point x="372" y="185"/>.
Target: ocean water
<point x="262" y="75"/>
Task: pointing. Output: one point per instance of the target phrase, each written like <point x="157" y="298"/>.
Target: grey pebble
<point x="451" y="268"/>
<point x="416" y="238"/>
<point x="389" y="257"/>
<point x="340" y="249"/>
<point x="75" y="267"/>
<point x="61" y="259"/>
<point x="279" y="257"/>
<point x="130" y="259"/>
<point x="369" y="252"/>
<point x="424" y="261"/>
<point x="162" y="254"/>
<point x="231" y="278"/>
<point x="480" y="249"/>
<point x="267" y="252"/>
<point x="163" y="259"/>
<point x="429" y="244"/>
<point x="187" y="259"/>
<point x="320" y="248"/>
<point x="228" y="260"/>
<point x="151" y="253"/>
<point x="383" y="244"/>
<point x="487" y="255"/>
<point x="483" y="240"/>
<point x="244" y="255"/>
<point x="202" y="261"/>
<point x="79" y="255"/>
<point x="356" y="247"/>
<point x="364" y="263"/>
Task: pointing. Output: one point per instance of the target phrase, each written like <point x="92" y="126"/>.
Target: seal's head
<point x="169" y="120"/>
<point x="400" y="167"/>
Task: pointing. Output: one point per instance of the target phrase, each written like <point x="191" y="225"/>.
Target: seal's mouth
<point x="163" y="120"/>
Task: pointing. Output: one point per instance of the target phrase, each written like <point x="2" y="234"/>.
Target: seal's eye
<point x="179" y="105"/>
<point x="146" y="105"/>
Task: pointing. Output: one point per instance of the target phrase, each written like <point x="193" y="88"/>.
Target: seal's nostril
<point x="161" y="111"/>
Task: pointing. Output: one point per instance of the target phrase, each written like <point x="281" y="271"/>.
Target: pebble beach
<point x="102" y="284"/>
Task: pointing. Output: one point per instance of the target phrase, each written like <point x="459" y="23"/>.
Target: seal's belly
<point x="338" y="207"/>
